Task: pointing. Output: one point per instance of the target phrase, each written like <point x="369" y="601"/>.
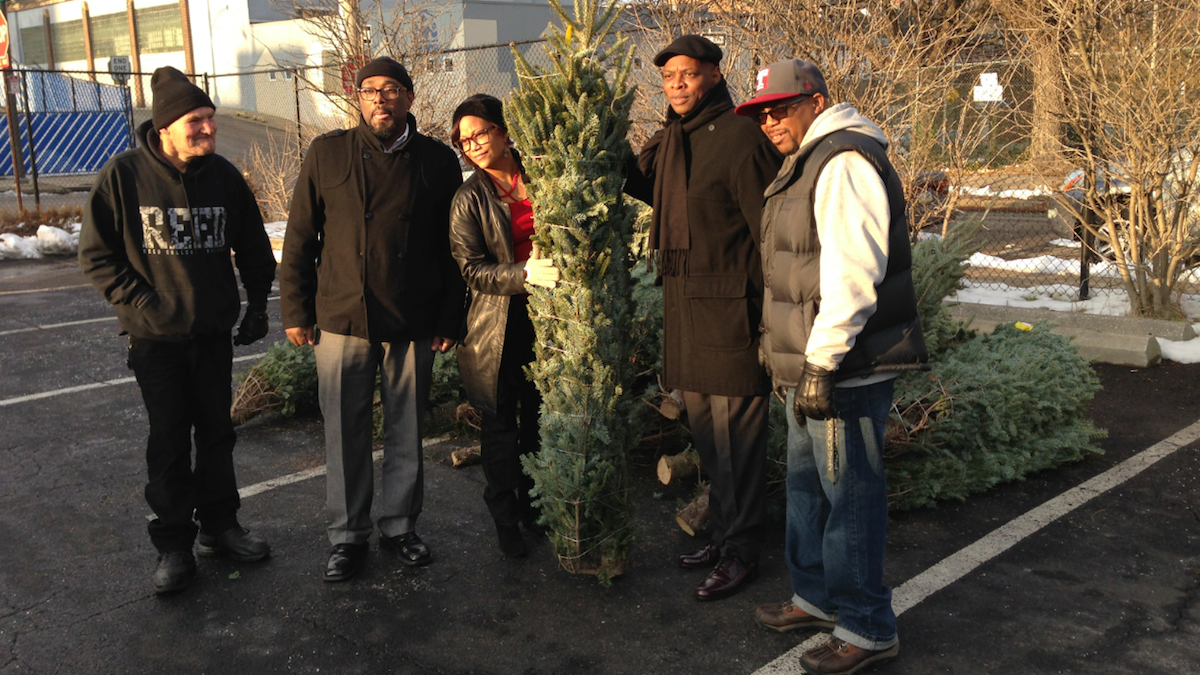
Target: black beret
<point x="695" y="46"/>
<point x="482" y="106"/>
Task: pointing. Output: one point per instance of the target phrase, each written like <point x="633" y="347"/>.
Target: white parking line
<point x="958" y="565"/>
<point x="95" y="385"/>
<point x="48" y="326"/>
<point x="300" y="476"/>
<point x="44" y="290"/>
<point x="65" y="324"/>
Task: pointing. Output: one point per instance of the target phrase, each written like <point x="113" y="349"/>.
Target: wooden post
<point x="189" y="58"/>
<point x="87" y="40"/>
<point x="135" y="58"/>
<point x="49" y="40"/>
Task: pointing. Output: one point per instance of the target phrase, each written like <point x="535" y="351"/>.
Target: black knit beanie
<point x="482" y="106"/>
<point x="387" y="67"/>
<point x="174" y="96"/>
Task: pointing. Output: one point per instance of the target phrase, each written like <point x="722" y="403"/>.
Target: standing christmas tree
<point x="570" y="121"/>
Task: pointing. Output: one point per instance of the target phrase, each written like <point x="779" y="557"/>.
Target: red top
<point x="521" y="213"/>
<point x="522" y="229"/>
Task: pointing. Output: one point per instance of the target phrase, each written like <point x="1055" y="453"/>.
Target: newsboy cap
<point x="696" y="46"/>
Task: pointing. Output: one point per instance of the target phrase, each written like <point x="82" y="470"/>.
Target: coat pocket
<point x="718" y="310"/>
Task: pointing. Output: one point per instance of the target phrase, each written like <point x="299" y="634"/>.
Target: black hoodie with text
<point x="157" y="242"/>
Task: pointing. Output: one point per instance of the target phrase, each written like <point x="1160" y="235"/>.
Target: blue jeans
<point x="836" y="532"/>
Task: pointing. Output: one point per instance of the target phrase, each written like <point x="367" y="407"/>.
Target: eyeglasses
<point x="389" y="93"/>
<point x="479" y="138"/>
<point x="779" y="112"/>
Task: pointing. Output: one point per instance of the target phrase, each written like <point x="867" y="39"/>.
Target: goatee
<point x="386" y="130"/>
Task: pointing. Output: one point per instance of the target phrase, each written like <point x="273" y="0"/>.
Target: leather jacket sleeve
<point x="481" y="242"/>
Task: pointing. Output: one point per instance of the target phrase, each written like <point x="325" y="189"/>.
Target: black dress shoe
<point x="727" y="578"/>
<point x="701" y="557"/>
<point x="412" y="551"/>
<point x="345" y="560"/>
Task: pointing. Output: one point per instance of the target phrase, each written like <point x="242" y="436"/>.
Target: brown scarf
<point x="664" y="158"/>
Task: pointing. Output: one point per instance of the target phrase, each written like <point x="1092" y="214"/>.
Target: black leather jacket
<point x="481" y="243"/>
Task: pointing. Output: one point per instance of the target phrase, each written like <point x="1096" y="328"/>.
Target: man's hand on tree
<point x="254" y="325"/>
<point x="442" y="345"/>
<point x="302" y="335"/>
<point x="814" y="394"/>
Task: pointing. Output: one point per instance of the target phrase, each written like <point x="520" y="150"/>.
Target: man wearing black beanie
<point x="367" y="278"/>
<point x="158" y="230"/>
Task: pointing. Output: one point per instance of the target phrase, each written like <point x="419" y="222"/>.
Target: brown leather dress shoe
<point x="727" y="578"/>
<point x="838" y="657"/>
<point x="701" y="557"/>
<point x="787" y="616"/>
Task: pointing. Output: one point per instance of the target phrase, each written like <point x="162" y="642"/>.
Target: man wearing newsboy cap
<point x="158" y="229"/>
<point x="704" y="173"/>
<point x="840" y="323"/>
<point x="367" y="278"/>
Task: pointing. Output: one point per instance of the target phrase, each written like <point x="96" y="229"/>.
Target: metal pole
<point x="14" y="139"/>
<point x="33" y="170"/>
<point x="296" y="96"/>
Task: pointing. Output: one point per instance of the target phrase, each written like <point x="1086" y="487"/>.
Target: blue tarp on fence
<point x="66" y="143"/>
<point x="77" y="125"/>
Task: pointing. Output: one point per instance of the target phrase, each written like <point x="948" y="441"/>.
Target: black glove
<point x="254" y="326"/>
<point x="814" y="394"/>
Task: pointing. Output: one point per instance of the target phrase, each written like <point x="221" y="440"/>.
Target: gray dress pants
<point x="346" y="369"/>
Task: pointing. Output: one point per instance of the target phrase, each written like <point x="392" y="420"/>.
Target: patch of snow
<point x="986" y="191"/>
<point x="276" y="229"/>
<point x="48" y="241"/>
<point x="18" y="247"/>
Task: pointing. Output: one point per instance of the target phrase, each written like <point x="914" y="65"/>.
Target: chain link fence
<point x="1027" y="236"/>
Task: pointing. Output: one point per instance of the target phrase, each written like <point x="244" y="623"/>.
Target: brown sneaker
<point x="786" y="616"/>
<point x="838" y="657"/>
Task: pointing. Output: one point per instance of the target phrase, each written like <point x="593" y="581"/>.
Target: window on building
<point x="160" y="29"/>
<point x="271" y="76"/>
<point x="110" y="35"/>
<point x="33" y="45"/>
<point x="68" y="41"/>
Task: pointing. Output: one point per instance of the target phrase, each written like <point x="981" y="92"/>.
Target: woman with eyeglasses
<point x="491" y="225"/>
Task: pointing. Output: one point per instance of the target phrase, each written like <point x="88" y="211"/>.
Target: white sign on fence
<point x="989" y="90"/>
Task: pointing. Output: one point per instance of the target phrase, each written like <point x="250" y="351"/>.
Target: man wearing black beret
<point x="704" y="172"/>
<point x="367" y="278"/>
<point x="158" y="229"/>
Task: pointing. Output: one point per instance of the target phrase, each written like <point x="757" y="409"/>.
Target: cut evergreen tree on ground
<point x="571" y="121"/>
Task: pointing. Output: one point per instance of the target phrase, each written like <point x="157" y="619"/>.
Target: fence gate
<point x="67" y="126"/>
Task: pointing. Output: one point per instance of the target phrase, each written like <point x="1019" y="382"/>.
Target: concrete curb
<point x="1119" y="340"/>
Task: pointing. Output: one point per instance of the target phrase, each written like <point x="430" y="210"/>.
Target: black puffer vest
<point x="892" y="339"/>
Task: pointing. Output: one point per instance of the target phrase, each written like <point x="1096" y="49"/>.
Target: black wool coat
<point x="367" y="249"/>
<point x="711" y="314"/>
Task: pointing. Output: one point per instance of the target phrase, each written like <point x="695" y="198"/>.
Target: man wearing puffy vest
<point x="158" y="229"/>
<point x="840" y="322"/>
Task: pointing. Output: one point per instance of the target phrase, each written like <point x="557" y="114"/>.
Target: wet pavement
<point x="1111" y="587"/>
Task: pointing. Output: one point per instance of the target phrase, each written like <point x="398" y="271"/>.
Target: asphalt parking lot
<point x="1092" y="568"/>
